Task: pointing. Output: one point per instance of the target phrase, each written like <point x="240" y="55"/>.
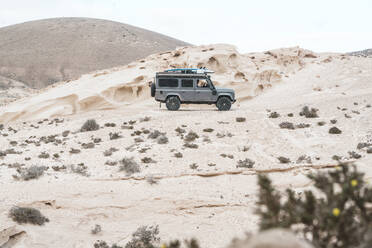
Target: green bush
<point x="338" y="218"/>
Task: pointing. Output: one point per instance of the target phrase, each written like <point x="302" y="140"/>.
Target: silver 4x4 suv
<point x="188" y="85"/>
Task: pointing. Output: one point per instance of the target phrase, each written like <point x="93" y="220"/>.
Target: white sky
<point x="319" y="25"/>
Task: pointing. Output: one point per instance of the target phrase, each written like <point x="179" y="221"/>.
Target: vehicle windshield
<point x="210" y="82"/>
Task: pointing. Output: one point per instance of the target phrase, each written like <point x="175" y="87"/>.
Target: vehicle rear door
<point x="187" y="89"/>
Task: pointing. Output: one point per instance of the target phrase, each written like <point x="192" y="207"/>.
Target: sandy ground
<point x="213" y="200"/>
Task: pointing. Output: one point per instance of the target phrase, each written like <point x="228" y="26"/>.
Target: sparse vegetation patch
<point x="30" y="173"/>
<point x="191" y="145"/>
<point x="89" y="125"/>
<point x="23" y="215"/>
<point x="145" y="237"/>
<point x="309" y="113"/>
<point x="129" y="165"/>
<point x="287" y="125"/>
<point x="246" y="163"/>
<point x="162" y="139"/>
<point x="274" y="115"/>
<point x="97" y="229"/>
<point x="191" y="136"/>
<point x="114" y="136"/>
<point x="81" y="169"/>
<point x="148" y="160"/>
<point x="178" y="155"/>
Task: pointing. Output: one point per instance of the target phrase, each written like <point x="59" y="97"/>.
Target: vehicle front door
<point x="187" y="90"/>
<point x="203" y="91"/>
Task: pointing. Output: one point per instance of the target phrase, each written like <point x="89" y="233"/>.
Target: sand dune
<point x="250" y="74"/>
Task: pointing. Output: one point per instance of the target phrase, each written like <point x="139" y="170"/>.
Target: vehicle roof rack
<point x="189" y="71"/>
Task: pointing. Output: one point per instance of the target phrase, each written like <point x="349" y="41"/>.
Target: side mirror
<point x="214" y="92"/>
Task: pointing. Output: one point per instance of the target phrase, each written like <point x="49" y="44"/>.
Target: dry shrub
<point x="89" y="125"/>
<point x="80" y="169"/>
<point x="23" y="215"/>
<point x="191" y="136"/>
<point x="129" y="165"/>
<point x="32" y="172"/>
<point x="162" y="139"/>
<point x="246" y="163"/>
<point x="309" y="113"/>
<point x="144" y="237"/>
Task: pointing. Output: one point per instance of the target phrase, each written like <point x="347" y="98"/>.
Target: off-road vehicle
<point x="188" y="85"/>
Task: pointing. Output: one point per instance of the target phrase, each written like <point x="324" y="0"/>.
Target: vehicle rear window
<point x="187" y="83"/>
<point x="168" y="82"/>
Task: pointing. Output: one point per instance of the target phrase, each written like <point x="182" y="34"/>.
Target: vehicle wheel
<point x="223" y="103"/>
<point x="153" y="89"/>
<point x="173" y="103"/>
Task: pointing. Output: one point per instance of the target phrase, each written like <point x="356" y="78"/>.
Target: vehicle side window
<point x="202" y="83"/>
<point x="168" y="82"/>
<point x="187" y="83"/>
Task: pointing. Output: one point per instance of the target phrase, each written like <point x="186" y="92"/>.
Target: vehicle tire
<point x="223" y="103"/>
<point x="153" y="88"/>
<point x="173" y="103"/>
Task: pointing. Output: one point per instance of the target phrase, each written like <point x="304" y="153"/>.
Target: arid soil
<point x="192" y="172"/>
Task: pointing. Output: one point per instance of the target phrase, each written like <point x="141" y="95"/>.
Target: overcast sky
<point x="319" y="25"/>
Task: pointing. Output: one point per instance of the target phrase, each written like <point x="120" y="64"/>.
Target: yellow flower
<point x="336" y="212"/>
<point x="354" y="182"/>
<point x="163" y="246"/>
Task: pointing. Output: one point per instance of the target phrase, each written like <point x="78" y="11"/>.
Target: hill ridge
<point x="42" y="52"/>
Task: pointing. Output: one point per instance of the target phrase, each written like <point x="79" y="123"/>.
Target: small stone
<point x="208" y="130"/>
<point x="284" y="160"/>
<point x="65" y="133"/>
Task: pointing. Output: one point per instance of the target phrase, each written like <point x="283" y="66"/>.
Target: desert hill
<point x="40" y="53"/>
<point x="362" y="53"/>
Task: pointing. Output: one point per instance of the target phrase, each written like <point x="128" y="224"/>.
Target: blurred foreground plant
<point x="339" y="217"/>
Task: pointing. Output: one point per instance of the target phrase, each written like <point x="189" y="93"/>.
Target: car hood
<point x="224" y="90"/>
